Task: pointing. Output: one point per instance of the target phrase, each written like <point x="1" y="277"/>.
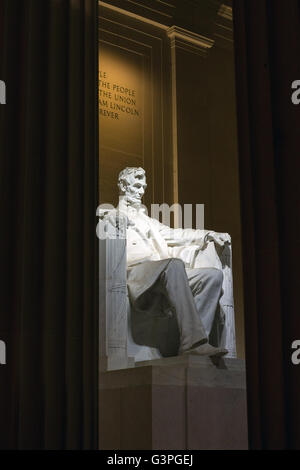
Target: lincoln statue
<point x="174" y="278"/>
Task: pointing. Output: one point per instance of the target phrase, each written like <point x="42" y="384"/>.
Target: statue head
<point x="132" y="184"/>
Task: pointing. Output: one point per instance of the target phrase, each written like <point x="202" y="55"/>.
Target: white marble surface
<point x="117" y="347"/>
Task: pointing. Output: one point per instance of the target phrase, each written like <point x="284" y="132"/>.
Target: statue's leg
<point x="171" y="294"/>
<point x="174" y="284"/>
<point x="206" y="287"/>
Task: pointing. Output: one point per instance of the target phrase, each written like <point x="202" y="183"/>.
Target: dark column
<point x="49" y="161"/>
<point x="267" y="38"/>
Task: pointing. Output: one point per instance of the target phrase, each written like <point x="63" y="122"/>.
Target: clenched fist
<point x="220" y="239"/>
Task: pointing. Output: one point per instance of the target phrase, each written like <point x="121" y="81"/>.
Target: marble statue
<point x="179" y="280"/>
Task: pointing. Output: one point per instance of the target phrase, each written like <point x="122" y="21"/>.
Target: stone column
<point x="189" y="43"/>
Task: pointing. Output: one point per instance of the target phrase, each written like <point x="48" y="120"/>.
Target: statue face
<point x="135" y="188"/>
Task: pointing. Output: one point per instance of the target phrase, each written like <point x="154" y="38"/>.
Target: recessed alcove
<point x="167" y="103"/>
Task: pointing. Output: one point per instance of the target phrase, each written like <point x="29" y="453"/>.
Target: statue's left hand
<point x="220" y="239"/>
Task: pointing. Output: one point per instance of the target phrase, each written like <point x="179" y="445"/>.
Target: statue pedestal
<point x="178" y="403"/>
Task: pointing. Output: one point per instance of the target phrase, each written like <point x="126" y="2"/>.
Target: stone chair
<point x="117" y="347"/>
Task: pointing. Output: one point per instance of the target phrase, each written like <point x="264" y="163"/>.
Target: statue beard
<point x="132" y="199"/>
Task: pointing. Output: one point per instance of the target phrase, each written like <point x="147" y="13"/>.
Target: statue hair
<point x="124" y="175"/>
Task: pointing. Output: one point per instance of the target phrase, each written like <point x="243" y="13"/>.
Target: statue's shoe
<point x="207" y="350"/>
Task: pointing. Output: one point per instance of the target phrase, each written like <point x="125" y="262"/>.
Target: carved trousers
<point x="184" y="303"/>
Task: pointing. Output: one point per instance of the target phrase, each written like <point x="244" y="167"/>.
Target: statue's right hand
<point x="119" y="220"/>
<point x="112" y="224"/>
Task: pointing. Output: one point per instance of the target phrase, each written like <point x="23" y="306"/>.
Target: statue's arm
<point x="180" y="236"/>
